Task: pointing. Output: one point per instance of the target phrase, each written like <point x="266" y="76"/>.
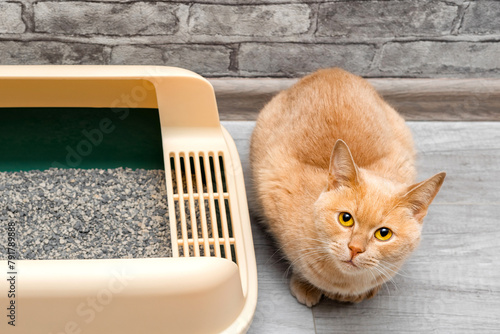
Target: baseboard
<point x="416" y="99"/>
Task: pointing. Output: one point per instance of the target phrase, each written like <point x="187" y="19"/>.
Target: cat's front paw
<point x="305" y="293"/>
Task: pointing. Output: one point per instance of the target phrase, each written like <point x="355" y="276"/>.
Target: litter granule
<point x="85" y="214"/>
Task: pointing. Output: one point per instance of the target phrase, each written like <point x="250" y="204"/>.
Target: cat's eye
<point x="346" y="219"/>
<point x="383" y="234"/>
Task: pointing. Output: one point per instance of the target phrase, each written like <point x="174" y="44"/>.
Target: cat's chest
<point x="352" y="284"/>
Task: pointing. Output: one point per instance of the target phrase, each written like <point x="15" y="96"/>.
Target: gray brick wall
<point x="256" y="38"/>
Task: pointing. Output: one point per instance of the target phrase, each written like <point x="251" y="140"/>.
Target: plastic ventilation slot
<point x="202" y="206"/>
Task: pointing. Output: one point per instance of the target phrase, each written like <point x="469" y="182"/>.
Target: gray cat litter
<point x="85" y="214"/>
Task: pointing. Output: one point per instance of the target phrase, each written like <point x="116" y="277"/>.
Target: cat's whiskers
<point x="288" y="243"/>
<point x="391" y="268"/>
<point x="310" y="252"/>
<point x="336" y="247"/>
<point x="321" y="271"/>
<point x="321" y="241"/>
<point x="306" y="252"/>
<point x="272" y="255"/>
<point x="394" y="269"/>
<point x="377" y="275"/>
<point x="389" y="276"/>
<point x="369" y="261"/>
<point x="373" y="275"/>
<point x="386" y="276"/>
<point x="384" y="283"/>
<point x="319" y="256"/>
<point x="283" y="257"/>
<point x="397" y="267"/>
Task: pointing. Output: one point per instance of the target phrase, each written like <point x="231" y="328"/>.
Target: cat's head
<point x="366" y="222"/>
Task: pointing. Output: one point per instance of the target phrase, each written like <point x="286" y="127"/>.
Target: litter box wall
<point x="277" y="38"/>
<point x="144" y="295"/>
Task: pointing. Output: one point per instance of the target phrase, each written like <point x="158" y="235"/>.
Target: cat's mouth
<point x="350" y="264"/>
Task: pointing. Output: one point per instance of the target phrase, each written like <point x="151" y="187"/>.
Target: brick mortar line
<point x="377" y="58"/>
<point x="406" y="1"/>
<point x="157" y="44"/>
<point x="167" y="39"/>
<point x="234" y="58"/>
<point x="107" y="53"/>
<point x="188" y="18"/>
<point x="28" y="16"/>
<point x="465" y="8"/>
<point x="455" y="24"/>
<point x="488" y="39"/>
<point x="153" y="46"/>
<point x="364" y="75"/>
<point x="187" y="2"/>
<point x="231" y="4"/>
<point x="315" y="19"/>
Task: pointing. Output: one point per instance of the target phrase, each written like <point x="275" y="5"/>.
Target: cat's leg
<point x="305" y="293"/>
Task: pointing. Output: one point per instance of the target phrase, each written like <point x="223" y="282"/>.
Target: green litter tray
<point x="43" y="138"/>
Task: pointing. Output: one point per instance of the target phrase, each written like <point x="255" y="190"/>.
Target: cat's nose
<point x="355" y="250"/>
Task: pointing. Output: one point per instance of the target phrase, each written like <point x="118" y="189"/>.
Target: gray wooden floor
<point x="451" y="284"/>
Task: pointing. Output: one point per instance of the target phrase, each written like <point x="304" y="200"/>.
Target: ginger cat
<point x="333" y="171"/>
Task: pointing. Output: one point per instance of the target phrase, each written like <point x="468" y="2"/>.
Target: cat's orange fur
<point x="305" y="176"/>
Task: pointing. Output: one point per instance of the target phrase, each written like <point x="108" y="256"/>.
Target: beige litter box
<point x="195" y="291"/>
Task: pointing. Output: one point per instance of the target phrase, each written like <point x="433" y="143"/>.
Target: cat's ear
<point x="343" y="171"/>
<point x="419" y="196"/>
